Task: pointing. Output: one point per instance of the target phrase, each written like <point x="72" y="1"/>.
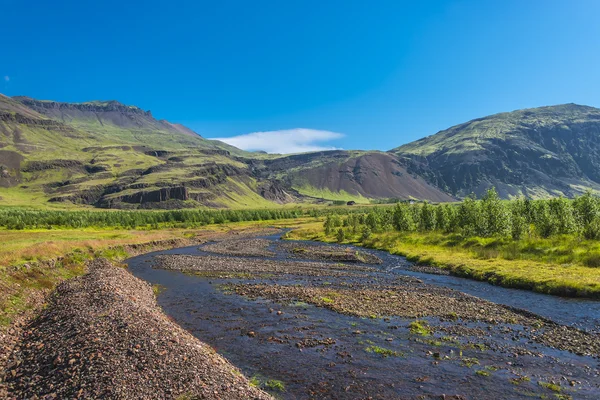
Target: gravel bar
<point x="188" y="263"/>
<point x="103" y="336"/>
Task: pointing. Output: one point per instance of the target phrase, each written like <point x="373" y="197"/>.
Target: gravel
<point x="327" y="253"/>
<point x="103" y="336"/>
<point x="241" y="247"/>
<point x="428" y="301"/>
<point x="237" y="265"/>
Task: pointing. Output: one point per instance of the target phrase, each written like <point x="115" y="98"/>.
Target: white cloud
<point x="298" y="140"/>
<point x="6" y="78"/>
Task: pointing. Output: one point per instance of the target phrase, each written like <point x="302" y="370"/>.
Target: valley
<point x="121" y="228"/>
<point x="302" y="320"/>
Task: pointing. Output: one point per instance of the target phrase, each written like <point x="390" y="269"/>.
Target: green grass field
<point x="562" y="265"/>
<point x="34" y="261"/>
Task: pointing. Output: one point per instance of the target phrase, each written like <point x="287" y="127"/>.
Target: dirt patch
<point x="103" y="335"/>
<point x="328" y="253"/>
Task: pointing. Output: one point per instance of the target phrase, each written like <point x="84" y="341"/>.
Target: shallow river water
<point x="296" y="350"/>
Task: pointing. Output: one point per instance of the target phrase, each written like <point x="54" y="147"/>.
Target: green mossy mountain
<point x="107" y="154"/>
<point x="537" y="152"/>
<point x="111" y="155"/>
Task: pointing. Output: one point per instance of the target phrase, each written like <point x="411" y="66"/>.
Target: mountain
<point x="348" y="175"/>
<point x="111" y="122"/>
<point x="111" y="155"/>
<point x="537" y="152"/>
<point x="107" y="154"/>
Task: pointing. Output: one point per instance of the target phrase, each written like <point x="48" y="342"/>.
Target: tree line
<point x="42" y="219"/>
<point x="488" y="216"/>
<point x="22" y="218"/>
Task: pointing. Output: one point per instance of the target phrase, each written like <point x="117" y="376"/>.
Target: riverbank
<point x="35" y="262"/>
<point x="549" y="266"/>
<point x="105" y="337"/>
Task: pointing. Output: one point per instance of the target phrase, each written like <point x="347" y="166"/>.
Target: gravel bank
<point x="327" y="253"/>
<point x="103" y="336"/>
<point x="216" y="264"/>
<point x="241" y="247"/>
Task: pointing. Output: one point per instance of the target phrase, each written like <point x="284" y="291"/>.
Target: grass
<point x="329" y="195"/>
<point x="563" y="265"/>
<point x="519" y="380"/>
<point x="275" y="385"/>
<point x="419" y="327"/>
<point x="551" y="386"/>
<point x="382" y="351"/>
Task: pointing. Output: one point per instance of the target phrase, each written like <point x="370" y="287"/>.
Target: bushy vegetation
<point x="549" y="246"/>
<point x="22" y="218"/>
<point x="19" y="219"/>
<point x="486" y="217"/>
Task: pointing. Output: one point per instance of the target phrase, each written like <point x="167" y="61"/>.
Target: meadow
<point x="549" y="246"/>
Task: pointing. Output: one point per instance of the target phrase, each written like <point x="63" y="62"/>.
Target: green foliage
<point x="382" y="351"/>
<point x="372" y="221"/>
<point x="419" y="328"/>
<point x="20" y="218"/>
<point x="275" y="384"/>
<point x="488" y="217"/>
<point x="443" y="215"/>
<point x="496" y="220"/>
<point x="519" y="218"/>
<point x="402" y="218"/>
<point x="427" y="217"/>
<point x="340" y="235"/>
<point x="366" y="234"/>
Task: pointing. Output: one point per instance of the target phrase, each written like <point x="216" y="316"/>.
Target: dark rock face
<point x="10" y="168"/>
<point x="107" y="106"/>
<point x="276" y="192"/>
<point x="33" y="166"/>
<point x="47" y="124"/>
<point x="89" y="196"/>
<point x="144" y="198"/>
<point x="95" y="168"/>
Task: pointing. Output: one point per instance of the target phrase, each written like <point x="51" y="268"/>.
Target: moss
<point x="551" y="386"/>
<point x="420" y="327"/>
<point x="382" y="351"/>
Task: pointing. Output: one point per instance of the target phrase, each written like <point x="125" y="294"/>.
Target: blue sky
<point x="306" y="74"/>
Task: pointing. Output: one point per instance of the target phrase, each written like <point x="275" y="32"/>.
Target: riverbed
<point x="303" y="320"/>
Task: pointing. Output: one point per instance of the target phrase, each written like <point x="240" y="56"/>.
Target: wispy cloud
<point x="6" y="78"/>
<point x="298" y="140"/>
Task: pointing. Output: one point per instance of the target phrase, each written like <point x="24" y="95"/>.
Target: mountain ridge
<point x="543" y="151"/>
<point x="108" y="154"/>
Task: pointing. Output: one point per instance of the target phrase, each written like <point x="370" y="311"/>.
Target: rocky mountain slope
<point x="107" y="154"/>
<point x="344" y="175"/>
<point x="538" y="152"/>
